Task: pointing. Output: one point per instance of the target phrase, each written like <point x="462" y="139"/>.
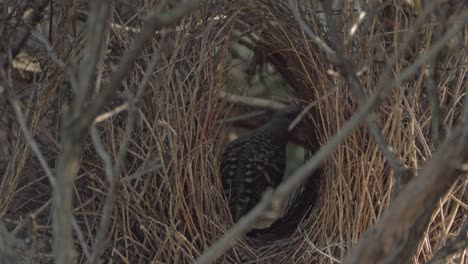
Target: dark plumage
<point x="254" y="162"/>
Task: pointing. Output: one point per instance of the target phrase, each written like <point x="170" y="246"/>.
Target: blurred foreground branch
<point x="459" y="243"/>
<point x="81" y="115"/>
<point x="398" y="233"/>
<point x="385" y="85"/>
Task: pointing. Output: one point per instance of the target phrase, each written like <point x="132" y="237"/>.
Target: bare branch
<point x="233" y="234"/>
<point x="156" y="21"/>
<point x="252" y="101"/>
<point x="78" y="121"/>
<point x="72" y="138"/>
<point x="459" y="243"/>
<point x="97" y="25"/>
<point x="81" y="238"/>
<point x="309" y="106"/>
<point x="15" y="103"/>
<point x="398" y="232"/>
<point x="8" y="246"/>
<point x="100" y="242"/>
<point x="318" y="41"/>
<point x="384" y="86"/>
<point x="291" y="184"/>
<point x="112" y="172"/>
<point x="103" y="117"/>
<point x="346" y="69"/>
<point x="31" y="21"/>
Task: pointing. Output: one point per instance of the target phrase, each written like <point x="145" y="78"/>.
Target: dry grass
<point x="172" y="208"/>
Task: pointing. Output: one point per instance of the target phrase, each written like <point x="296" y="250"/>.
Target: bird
<point x="250" y="164"/>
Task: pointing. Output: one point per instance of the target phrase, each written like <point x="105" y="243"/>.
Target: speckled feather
<point x="252" y="163"/>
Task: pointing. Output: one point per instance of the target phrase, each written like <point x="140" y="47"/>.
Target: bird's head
<point x="277" y="127"/>
<point x="289" y="112"/>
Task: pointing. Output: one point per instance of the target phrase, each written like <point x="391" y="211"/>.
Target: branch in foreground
<point x="73" y="136"/>
<point x="16" y="104"/>
<point x="294" y="181"/>
<point x="232" y="235"/>
<point x="155" y="21"/>
<point x="78" y="121"/>
<point x="452" y="247"/>
<point x="397" y="234"/>
<point x="384" y="86"/>
<point x="252" y="101"/>
<point x="32" y="19"/>
<point x="346" y="68"/>
<point x="112" y="172"/>
<point x="9" y="246"/>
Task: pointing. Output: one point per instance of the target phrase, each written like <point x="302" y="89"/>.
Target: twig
<point x="410" y="213"/>
<point x="252" y="101"/>
<point x="311" y="244"/>
<point x="8" y="246"/>
<point x="459" y="243"/>
<point x="32" y="20"/>
<point x="97" y="25"/>
<point x="24" y="222"/>
<point x="306" y="109"/>
<point x="103" y="117"/>
<point x="78" y="121"/>
<point x="114" y="171"/>
<point x="384" y="87"/>
<point x="138" y="174"/>
<point x="81" y="239"/>
<point x="345" y="66"/>
<point x="156" y="21"/>
<point x="111" y="175"/>
<point x="432" y="78"/>
<point x="318" y="41"/>
<point x="73" y="135"/>
<point x="14" y="102"/>
<point x="233" y="234"/>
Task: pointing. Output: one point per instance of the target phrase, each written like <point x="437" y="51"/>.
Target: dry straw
<point x="169" y="206"/>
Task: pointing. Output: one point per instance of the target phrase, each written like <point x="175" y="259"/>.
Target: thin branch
<point x="318" y="41"/>
<point x="309" y="106"/>
<point x="100" y="241"/>
<point x="252" y="101"/>
<point x="114" y="171"/>
<point x="78" y="121"/>
<point x="345" y="66"/>
<point x="143" y="171"/>
<point x="459" y="243"/>
<point x="73" y="135"/>
<point x="103" y="117"/>
<point x="384" y="87"/>
<point x="31" y="21"/>
<point x="244" y="225"/>
<point x="9" y="246"/>
<point x="397" y="234"/>
<point x="52" y="55"/>
<point x="156" y="21"/>
<point x="432" y="78"/>
<point x="15" y="103"/>
<point x="97" y="25"/>
<point x="23" y="222"/>
<point x="81" y="239"/>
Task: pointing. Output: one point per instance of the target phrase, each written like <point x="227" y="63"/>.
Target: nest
<point x="170" y="205"/>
